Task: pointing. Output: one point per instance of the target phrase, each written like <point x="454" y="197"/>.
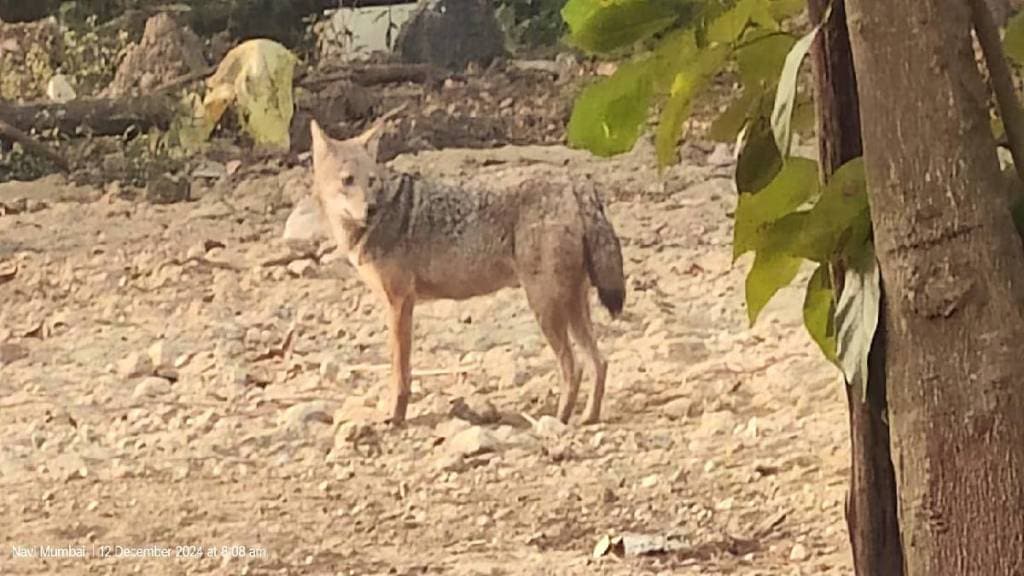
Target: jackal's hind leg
<point x="582" y="330"/>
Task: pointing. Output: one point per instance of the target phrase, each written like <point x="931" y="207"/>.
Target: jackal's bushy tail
<point x="602" y="251"/>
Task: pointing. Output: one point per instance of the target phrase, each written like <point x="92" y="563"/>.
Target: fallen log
<point x="96" y="116"/>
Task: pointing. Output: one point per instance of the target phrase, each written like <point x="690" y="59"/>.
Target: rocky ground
<point x="173" y="377"/>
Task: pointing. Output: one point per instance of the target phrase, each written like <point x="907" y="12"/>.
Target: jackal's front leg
<point x="400" y="331"/>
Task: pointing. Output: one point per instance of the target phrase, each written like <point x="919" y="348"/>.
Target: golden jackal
<point x="413" y="239"/>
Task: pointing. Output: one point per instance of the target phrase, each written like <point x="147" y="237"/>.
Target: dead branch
<point x="31" y="145"/>
<point x="374" y="74"/>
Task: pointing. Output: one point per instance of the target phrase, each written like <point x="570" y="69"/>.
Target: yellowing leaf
<point x="608" y="116"/>
<point x="783" y="9"/>
<point x="728" y="124"/>
<point x="819" y="311"/>
<point x="255" y="76"/>
<point x="761" y="58"/>
<point x="1013" y="41"/>
<point x="856" y="322"/>
<point x="785" y="96"/>
<point x="771" y="272"/>
<point x="686" y="84"/>
<point x="727" y="27"/>
<point x="604" y="26"/>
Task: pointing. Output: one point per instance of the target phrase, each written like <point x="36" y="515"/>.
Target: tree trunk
<point x="954" y="272"/>
<point x="871" y="505"/>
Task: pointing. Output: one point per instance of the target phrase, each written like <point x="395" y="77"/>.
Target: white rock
<point x="151" y="387"/>
<point x="303" y="268"/>
<point x="677" y="409"/>
<point x="161" y="355"/>
<point x="133" y="365"/>
<point x="799" y="553"/>
<point x="471" y="441"/>
<point x="297" y="416"/>
<point x="59" y="89"/>
<point x="649" y="481"/>
<point x="549" y="426"/>
<point x="329" y="370"/>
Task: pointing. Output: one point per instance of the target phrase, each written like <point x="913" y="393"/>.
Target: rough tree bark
<point x="954" y="272"/>
<point x="871" y="505"/>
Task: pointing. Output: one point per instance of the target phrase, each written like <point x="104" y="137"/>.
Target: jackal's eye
<point x="348" y="180"/>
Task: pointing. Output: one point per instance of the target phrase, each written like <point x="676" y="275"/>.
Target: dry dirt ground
<point x="724" y="448"/>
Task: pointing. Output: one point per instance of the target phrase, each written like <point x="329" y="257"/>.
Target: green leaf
<point x="729" y="25"/>
<point x="760" y="59"/>
<point x="759" y="160"/>
<point x="795" y="184"/>
<point x="856" y="321"/>
<point x="785" y="96"/>
<point x="608" y="116"/>
<point x="770" y="273"/>
<point x="819" y="311"/>
<point x="670" y="126"/>
<point x="842" y="207"/>
<point x="728" y="124"/>
<point x="606" y="25"/>
<point x="783" y="9"/>
<point x="673" y="52"/>
<point x="1013" y="41"/>
<point x="687" y="83"/>
<point x="762" y="15"/>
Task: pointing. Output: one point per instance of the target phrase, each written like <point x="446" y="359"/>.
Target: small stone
<point x="799" y="553"/>
<point x="150" y="387"/>
<point x="329" y="370"/>
<point x="649" y="481"/>
<point x="608" y="495"/>
<point x="475" y="411"/>
<point x="347" y="432"/>
<point x="69" y="467"/>
<point x="304" y="268"/>
<point x="297" y="416"/>
<point x="133" y="365"/>
<point x="162" y="357"/>
<point x="677" y="409"/>
<point x="549" y="426"/>
<point x="472" y="441"/>
<point x="167" y="189"/>
<point x="725" y="505"/>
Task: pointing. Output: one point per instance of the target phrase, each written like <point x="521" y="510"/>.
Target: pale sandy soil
<point x="730" y="441"/>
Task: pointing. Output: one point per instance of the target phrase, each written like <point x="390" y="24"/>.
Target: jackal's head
<point x="346" y="177"/>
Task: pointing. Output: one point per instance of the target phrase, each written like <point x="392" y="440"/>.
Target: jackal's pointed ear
<point x="320" y="139"/>
<point x="370" y="139"/>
